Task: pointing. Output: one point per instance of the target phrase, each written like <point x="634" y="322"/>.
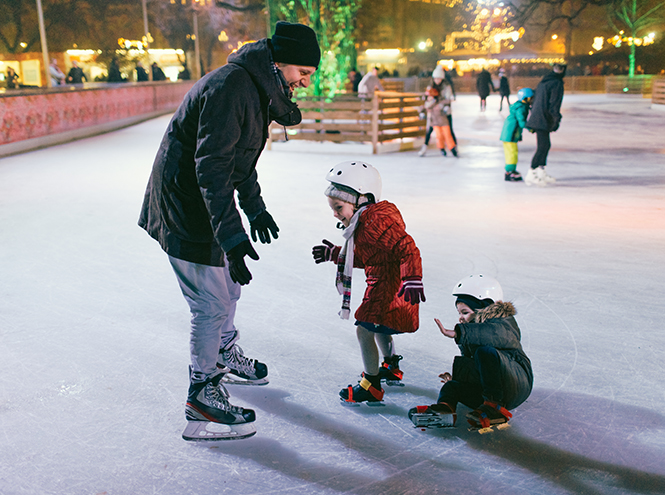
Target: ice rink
<point x="94" y="330"/>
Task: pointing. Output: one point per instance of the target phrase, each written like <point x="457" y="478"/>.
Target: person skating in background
<point x="114" y="75"/>
<point x="376" y="240"/>
<point x="504" y="88"/>
<point x="545" y="118"/>
<point x="141" y="73"/>
<point x="369" y="84"/>
<point x="56" y="75"/>
<point x="439" y="75"/>
<point x="207" y="157"/>
<point x="438" y="106"/>
<point x="493" y="375"/>
<point x="511" y="133"/>
<point x="483" y="86"/>
<point x="76" y="75"/>
<point x="157" y="73"/>
<point x="12" y="78"/>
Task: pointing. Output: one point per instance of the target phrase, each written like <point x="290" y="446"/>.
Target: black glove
<point x="237" y="268"/>
<point x="412" y="290"/>
<point x="264" y="225"/>
<point x="323" y="253"/>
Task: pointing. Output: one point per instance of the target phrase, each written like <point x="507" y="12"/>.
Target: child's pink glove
<point x="412" y="289"/>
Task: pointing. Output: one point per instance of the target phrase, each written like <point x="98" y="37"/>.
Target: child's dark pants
<point x="488" y="387"/>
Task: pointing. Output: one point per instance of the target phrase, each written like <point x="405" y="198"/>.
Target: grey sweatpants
<point x="212" y="298"/>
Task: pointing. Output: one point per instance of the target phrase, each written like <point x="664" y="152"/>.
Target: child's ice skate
<point x="488" y="415"/>
<point x="439" y="415"/>
<point x="240" y="370"/>
<point x="513" y="176"/>
<point x="390" y="372"/>
<point x="210" y="416"/>
<point x="368" y="390"/>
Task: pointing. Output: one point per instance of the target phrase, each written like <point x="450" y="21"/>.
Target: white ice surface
<point x="94" y="331"/>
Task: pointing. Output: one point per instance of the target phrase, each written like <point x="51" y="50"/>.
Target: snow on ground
<point x="94" y="330"/>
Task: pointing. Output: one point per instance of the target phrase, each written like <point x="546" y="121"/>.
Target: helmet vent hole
<point x="339" y="172"/>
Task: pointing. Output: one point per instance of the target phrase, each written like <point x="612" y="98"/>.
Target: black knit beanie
<point x="472" y="302"/>
<point x="295" y="44"/>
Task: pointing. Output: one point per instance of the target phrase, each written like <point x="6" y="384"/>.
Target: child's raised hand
<point x="323" y="252"/>
<point x="444" y="330"/>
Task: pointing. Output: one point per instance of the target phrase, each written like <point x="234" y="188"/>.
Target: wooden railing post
<point x="375" y="123"/>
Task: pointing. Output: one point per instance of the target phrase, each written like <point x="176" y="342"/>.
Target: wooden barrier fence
<point x="658" y="91"/>
<point x="388" y="116"/>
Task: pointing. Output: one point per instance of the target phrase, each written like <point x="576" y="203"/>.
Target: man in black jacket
<point x="544" y="118"/>
<point x="208" y="154"/>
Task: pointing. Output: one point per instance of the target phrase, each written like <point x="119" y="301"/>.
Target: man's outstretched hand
<point x="237" y="268"/>
<point x="263" y="225"/>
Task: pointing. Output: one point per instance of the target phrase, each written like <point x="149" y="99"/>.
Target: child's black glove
<point x="412" y="289"/>
<point x="323" y="253"/>
<point x="237" y="268"/>
<point x="264" y="225"/>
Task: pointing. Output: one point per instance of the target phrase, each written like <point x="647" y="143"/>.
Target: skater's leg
<point x="489" y="366"/>
<point x="368" y="350"/>
<point x="448" y="138"/>
<point x="428" y="135"/>
<point x="386" y="344"/>
<point x="543" y="144"/>
<point x="229" y="332"/>
<point x="453" y="392"/>
<point x="205" y="290"/>
<point x="450" y="124"/>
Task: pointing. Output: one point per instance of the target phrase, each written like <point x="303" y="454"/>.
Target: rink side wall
<point x="33" y="119"/>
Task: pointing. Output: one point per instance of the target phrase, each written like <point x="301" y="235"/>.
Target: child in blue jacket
<point x="512" y="132"/>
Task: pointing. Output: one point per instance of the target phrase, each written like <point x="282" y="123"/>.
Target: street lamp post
<point x="146" y="33"/>
<point x="42" y="35"/>
<point x="197" y="53"/>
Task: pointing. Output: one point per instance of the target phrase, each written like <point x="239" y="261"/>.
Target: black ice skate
<point x="240" y="370"/>
<point x="439" y="415"/>
<point x="488" y="415"/>
<point x="366" y="391"/>
<point x="210" y="416"/>
<point x="514" y="176"/>
<point x="390" y="372"/>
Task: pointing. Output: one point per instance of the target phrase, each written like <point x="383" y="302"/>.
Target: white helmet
<point x="479" y="286"/>
<point x="359" y="176"/>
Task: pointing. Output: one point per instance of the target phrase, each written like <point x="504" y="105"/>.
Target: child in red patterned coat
<point x="376" y="240"/>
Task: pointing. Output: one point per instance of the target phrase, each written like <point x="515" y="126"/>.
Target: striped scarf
<point x="345" y="266"/>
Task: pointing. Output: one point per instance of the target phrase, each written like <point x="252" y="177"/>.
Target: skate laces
<point x="218" y="397"/>
<point x="235" y="359"/>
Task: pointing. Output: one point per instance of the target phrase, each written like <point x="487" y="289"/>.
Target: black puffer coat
<point x="495" y="326"/>
<point x="546" y="106"/>
<point x="209" y="151"/>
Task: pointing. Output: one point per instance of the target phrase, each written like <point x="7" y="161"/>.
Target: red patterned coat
<point x="388" y="255"/>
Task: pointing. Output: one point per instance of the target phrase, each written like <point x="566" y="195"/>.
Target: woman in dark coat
<point x="484" y="85"/>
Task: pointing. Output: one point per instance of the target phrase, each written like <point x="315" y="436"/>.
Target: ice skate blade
<point x="347" y="403"/>
<point x="425" y="421"/>
<point x="490" y="428"/>
<point x="231" y="379"/>
<point x="197" y="431"/>
<point x="394" y="383"/>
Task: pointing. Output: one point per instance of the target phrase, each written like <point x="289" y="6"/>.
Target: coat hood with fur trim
<point x="499" y="309"/>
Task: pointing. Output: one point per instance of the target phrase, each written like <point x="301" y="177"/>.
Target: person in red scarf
<point x="376" y="240"/>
